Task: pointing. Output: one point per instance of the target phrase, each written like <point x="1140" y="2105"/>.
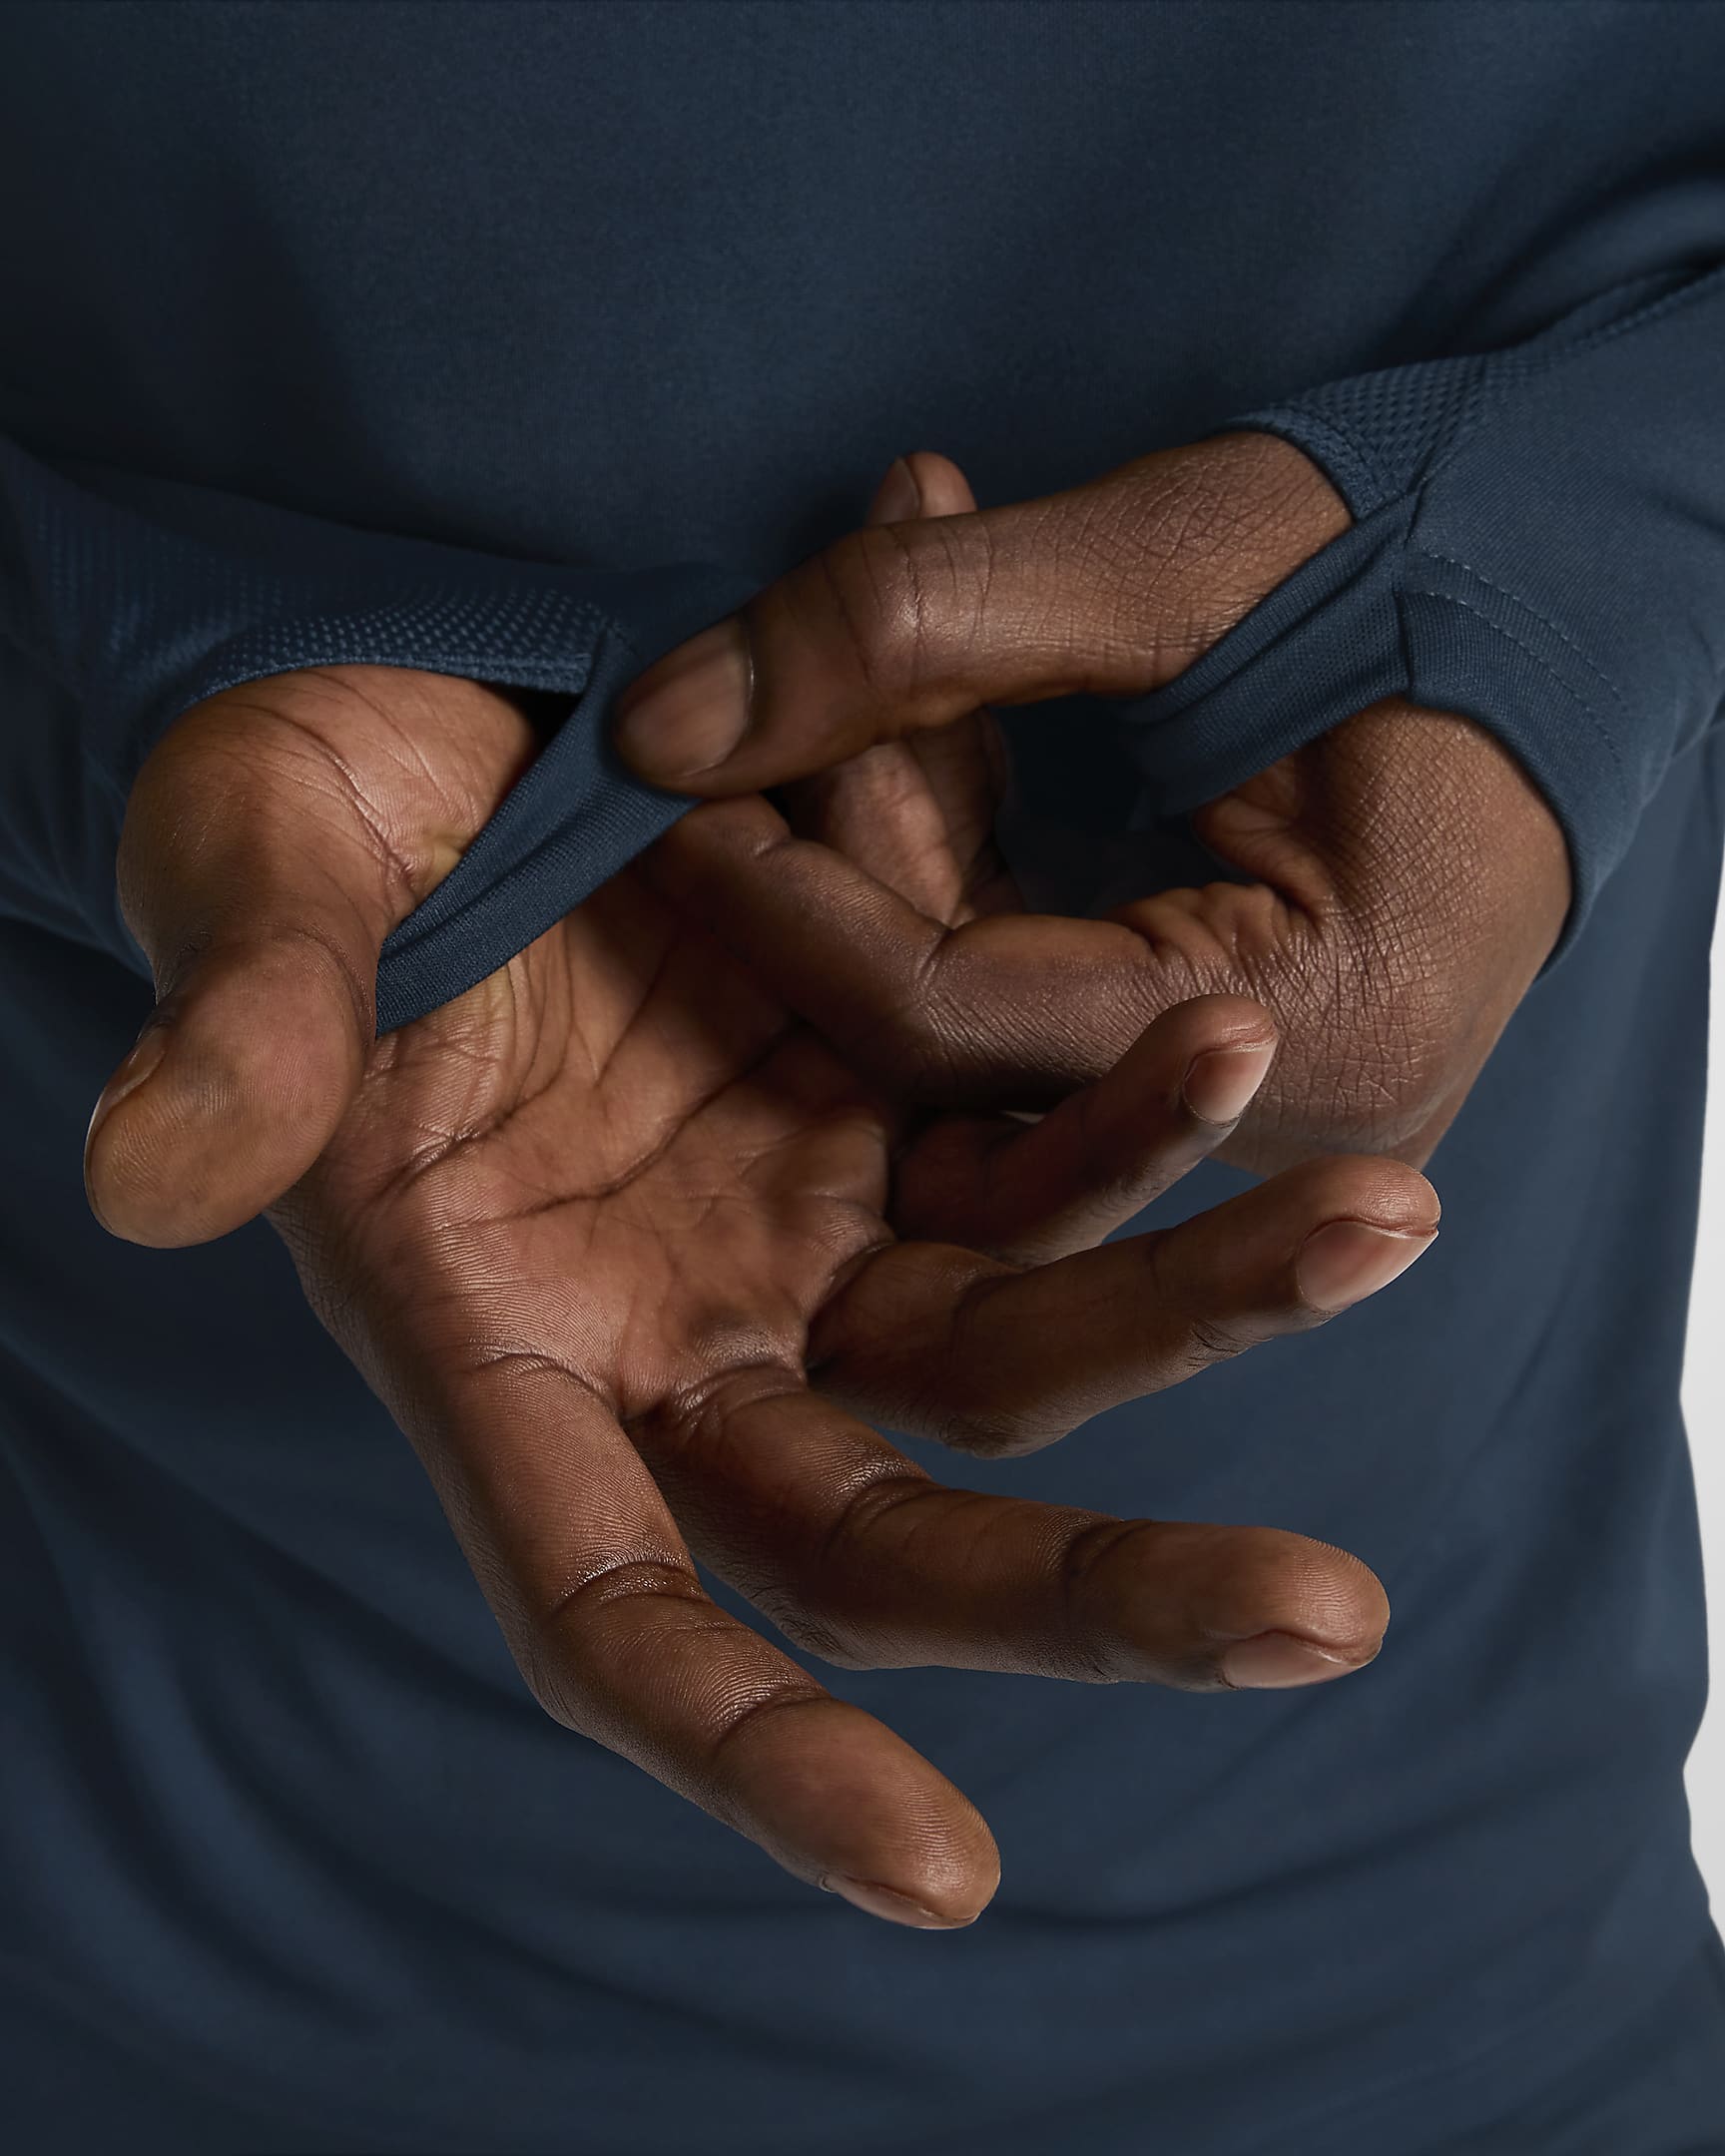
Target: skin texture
<point x="1404" y="879"/>
<point x="612" y="1236"/>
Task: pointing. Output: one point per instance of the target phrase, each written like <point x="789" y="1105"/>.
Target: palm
<point x="617" y="1154"/>
<point x="591" y="1229"/>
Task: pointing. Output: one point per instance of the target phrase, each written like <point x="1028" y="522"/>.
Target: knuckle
<point x="824" y="1612"/>
<point x="554" y="1647"/>
<point x="915" y="1042"/>
<point x="815" y="1626"/>
<point x="877" y="594"/>
<point x="841" y="1647"/>
<point x="1212" y="1340"/>
<point x="1201" y="1337"/>
<point x="768" y="1704"/>
<point x="999" y="1434"/>
<point x="1084" y="1558"/>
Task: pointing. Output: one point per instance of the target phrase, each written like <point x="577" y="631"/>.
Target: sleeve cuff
<point x="138" y="599"/>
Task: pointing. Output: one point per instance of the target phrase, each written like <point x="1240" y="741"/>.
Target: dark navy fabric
<point x="129" y="615"/>
<point x="1588" y="635"/>
<point x="518" y="341"/>
<point x="1538" y="544"/>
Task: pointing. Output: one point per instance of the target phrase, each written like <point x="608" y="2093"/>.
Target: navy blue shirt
<point x="518" y="342"/>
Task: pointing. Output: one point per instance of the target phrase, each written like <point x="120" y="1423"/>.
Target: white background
<point x="1704" y="1406"/>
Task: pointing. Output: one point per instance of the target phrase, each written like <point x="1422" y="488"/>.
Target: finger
<point x="1032" y="1192"/>
<point x="861" y="1558"/>
<point x="604" y="1614"/>
<point x="1012" y="1010"/>
<point x="918" y="812"/>
<point x="256" y="871"/>
<point x="923" y="484"/>
<point x="1108" y="589"/>
<point x="991" y="1359"/>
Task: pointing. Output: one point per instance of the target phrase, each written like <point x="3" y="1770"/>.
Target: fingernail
<point x="691" y="708"/>
<point x="138" y="1065"/>
<point x="1276" y="1661"/>
<point x="886" y="1901"/>
<point x="1219" y="1082"/>
<point x="1343" y="1264"/>
<point x="900" y="498"/>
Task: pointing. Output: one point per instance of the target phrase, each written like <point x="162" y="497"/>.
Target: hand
<point x="1406" y="880"/>
<point x="591" y="1230"/>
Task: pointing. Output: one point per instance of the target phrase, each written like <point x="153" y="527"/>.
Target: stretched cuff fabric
<point x="1539" y="545"/>
<point x="124" y="601"/>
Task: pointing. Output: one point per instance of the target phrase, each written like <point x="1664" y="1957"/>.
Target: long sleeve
<point x="125" y="601"/>
<point x="1538" y="544"/>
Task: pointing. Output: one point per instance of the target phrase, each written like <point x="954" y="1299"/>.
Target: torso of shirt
<point x="619" y="286"/>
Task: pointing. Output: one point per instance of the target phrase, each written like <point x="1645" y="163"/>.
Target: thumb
<point x="272" y="841"/>
<point x="234" y="1086"/>
<point x="1109" y="589"/>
